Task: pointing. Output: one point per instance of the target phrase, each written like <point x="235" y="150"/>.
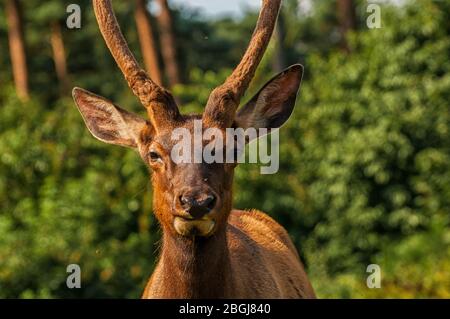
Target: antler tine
<point x="159" y="103"/>
<point x="237" y="83"/>
<point x="240" y="79"/>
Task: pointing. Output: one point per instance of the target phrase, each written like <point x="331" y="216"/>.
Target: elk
<point x="208" y="250"/>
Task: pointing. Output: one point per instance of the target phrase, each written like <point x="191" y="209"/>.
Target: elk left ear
<point x="272" y="106"/>
<point x="108" y="122"/>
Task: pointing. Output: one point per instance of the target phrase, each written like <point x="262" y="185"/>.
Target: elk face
<point x="190" y="197"/>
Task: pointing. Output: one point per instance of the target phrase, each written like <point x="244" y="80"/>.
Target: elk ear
<point x="272" y="106"/>
<point x="106" y="121"/>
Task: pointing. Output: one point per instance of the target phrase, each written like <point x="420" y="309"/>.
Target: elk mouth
<point x="194" y="227"/>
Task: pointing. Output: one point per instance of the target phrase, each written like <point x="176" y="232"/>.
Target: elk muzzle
<point x="195" y="213"/>
<point x="197" y="206"/>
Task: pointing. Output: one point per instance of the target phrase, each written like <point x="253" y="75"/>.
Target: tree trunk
<point x="59" y="56"/>
<point x="168" y="47"/>
<point x="347" y="20"/>
<point x="148" y="45"/>
<point x="17" y="49"/>
<point x="279" y="58"/>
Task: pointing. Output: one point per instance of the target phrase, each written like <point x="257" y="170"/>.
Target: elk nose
<point x="198" y="206"/>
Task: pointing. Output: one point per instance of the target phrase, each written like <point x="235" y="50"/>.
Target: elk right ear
<point x="108" y="122"/>
<point x="272" y="106"/>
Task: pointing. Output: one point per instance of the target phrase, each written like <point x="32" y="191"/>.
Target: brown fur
<point x="223" y="253"/>
<point x="254" y="258"/>
<point x="248" y="256"/>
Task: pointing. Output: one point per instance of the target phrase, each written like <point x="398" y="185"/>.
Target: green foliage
<point x="66" y="198"/>
<point x="374" y="155"/>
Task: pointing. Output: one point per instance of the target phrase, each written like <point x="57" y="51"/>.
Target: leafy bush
<point x="66" y="198"/>
<point x="373" y="166"/>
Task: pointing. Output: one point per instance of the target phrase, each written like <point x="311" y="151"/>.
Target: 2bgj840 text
<point x="231" y="308"/>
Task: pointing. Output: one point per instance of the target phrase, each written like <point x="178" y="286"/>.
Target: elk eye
<point x="154" y="157"/>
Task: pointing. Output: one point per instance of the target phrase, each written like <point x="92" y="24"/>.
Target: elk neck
<point x="196" y="267"/>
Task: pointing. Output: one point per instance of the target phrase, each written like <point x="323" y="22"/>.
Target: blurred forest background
<point x="365" y="160"/>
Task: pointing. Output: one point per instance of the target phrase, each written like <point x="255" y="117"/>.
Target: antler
<point x="159" y="102"/>
<point x="236" y="84"/>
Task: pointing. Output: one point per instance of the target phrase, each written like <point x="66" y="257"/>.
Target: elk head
<point x="189" y="198"/>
